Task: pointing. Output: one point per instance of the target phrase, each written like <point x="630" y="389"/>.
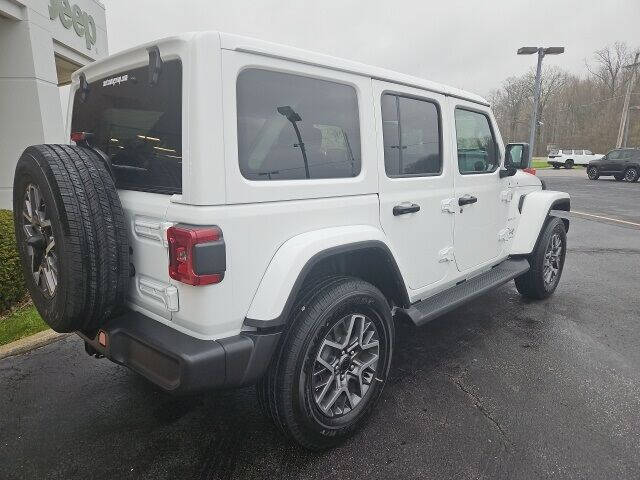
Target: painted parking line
<point x="616" y="220"/>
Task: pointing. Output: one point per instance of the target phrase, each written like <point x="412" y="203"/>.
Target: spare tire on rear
<point x="71" y="235"/>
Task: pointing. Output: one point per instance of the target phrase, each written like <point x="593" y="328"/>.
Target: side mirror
<point x="517" y="156"/>
<point x="508" y="172"/>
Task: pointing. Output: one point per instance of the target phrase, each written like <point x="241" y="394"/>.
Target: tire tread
<point x="96" y="247"/>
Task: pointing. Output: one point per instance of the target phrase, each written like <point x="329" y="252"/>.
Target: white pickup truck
<point x="234" y="212"/>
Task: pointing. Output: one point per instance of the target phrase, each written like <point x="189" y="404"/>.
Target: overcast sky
<point x="469" y="44"/>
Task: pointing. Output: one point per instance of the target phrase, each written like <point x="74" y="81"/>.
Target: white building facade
<point x="41" y="43"/>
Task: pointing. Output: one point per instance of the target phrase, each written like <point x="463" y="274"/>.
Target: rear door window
<point x="292" y="127"/>
<point x="138" y="126"/>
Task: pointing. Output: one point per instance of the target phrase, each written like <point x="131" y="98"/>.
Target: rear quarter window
<point x="295" y="127"/>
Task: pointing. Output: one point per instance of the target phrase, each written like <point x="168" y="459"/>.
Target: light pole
<point x="626" y="124"/>
<point x="627" y="99"/>
<point x="541" y="51"/>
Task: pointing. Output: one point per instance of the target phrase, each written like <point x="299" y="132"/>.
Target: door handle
<point x="467" y="200"/>
<point x="403" y="209"/>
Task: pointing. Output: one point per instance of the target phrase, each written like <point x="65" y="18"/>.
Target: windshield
<point x="137" y="125"/>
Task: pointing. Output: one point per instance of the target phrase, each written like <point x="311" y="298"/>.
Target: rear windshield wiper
<point x="84" y="88"/>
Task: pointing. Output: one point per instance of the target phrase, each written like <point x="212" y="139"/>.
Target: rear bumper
<point x="179" y="363"/>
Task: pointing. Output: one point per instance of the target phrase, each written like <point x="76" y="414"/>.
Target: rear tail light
<point x="80" y="136"/>
<point x="530" y="170"/>
<point x="196" y="254"/>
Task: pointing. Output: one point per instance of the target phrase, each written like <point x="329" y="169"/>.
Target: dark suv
<point x="622" y="163"/>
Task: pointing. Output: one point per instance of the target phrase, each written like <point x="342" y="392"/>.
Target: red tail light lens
<point x="530" y="170"/>
<point x="78" y="136"/>
<point x="196" y="254"/>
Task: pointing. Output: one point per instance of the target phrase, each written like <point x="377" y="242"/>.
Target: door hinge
<point x="506" y="195"/>
<point x="446" y="255"/>
<point x="505" y="234"/>
<point x="449" y="205"/>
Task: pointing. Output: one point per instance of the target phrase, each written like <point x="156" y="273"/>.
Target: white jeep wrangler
<point x="236" y="212"/>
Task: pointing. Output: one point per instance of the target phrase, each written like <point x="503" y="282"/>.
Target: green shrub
<point x="12" y="287"/>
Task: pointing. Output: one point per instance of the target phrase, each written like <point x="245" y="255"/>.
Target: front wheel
<point x="547" y="262"/>
<point x="631" y="174"/>
<point x="332" y="364"/>
<point x="593" y="173"/>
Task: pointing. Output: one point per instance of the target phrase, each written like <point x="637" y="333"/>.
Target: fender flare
<point x="536" y="208"/>
<point x="295" y="259"/>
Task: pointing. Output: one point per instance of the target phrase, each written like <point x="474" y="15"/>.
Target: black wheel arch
<point x="369" y="260"/>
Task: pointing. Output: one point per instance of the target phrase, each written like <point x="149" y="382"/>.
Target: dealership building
<point x="41" y="43"/>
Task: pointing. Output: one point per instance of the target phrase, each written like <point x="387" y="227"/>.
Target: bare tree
<point x="510" y="102"/>
<point x="576" y="112"/>
<point x="554" y="80"/>
<point x="608" y="65"/>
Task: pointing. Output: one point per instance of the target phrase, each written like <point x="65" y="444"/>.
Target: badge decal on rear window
<point x="115" y="80"/>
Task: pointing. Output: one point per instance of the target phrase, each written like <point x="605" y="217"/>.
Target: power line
<point x="596" y="102"/>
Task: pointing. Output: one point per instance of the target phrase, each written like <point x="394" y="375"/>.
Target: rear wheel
<point x="547" y="262"/>
<point x="568" y="164"/>
<point x="631" y="174"/>
<point x="556" y="166"/>
<point x="593" y="173"/>
<point x="71" y="236"/>
<point x="333" y="363"/>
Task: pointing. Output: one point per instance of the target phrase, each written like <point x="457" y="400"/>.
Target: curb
<point x="32" y="342"/>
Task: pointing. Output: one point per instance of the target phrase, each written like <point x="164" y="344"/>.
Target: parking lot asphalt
<point x="500" y="388"/>
<point x="602" y="197"/>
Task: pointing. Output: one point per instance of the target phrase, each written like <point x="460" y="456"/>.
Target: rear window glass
<point x="294" y="127"/>
<point x="138" y="126"/>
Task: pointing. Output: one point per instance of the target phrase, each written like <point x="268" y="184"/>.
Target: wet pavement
<point x="500" y="388"/>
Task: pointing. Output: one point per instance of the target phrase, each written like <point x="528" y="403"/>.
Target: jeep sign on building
<point x="41" y="43"/>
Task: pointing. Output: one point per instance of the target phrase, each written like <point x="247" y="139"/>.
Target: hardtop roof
<point x="252" y="45"/>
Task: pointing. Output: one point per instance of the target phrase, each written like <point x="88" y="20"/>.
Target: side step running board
<point x="425" y="310"/>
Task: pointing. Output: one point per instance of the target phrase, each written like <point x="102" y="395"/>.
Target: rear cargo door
<point x="137" y="124"/>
